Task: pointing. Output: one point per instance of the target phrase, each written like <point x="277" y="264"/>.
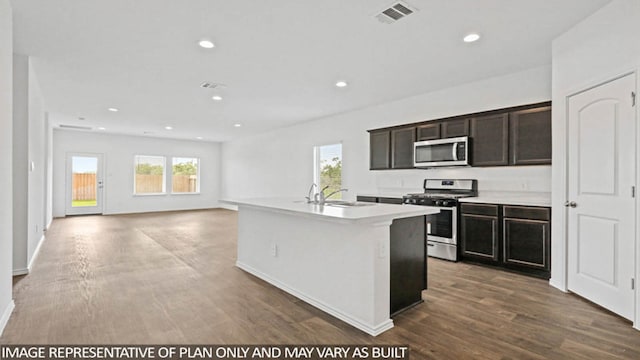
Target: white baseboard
<point x="558" y="285"/>
<point x="357" y="323"/>
<point x="35" y="253"/>
<point x="228" y="206"/>
<point x="27" y="270"/>
<point x="6" y="314"/>
<point x="19" y="272"/>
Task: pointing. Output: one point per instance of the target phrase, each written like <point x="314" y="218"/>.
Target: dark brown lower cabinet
<point x="365" y="198"/>
<point x="408" y="260"/>
<point x="479" y="224"/>
<point x="481" y="237"/>
<point x="381" y="199"/>
<point x="516" y="237"/>
<point x="388" y="200"/>
<point x="526" y="239"/>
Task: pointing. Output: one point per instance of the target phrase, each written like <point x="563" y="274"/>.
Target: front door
<point x="601" y="204"/>
<point x="84" y="184"/>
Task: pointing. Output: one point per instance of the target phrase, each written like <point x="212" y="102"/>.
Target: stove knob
<point x="439" y="202"/>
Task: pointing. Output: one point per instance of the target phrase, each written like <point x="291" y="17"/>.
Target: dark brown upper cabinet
<point x="531" y="136"/>
<point x="402" y="147"/>
<point x="519" y="135"/>
<point x="455" y="128"/>
<point x="379" y="154"/>
<point x="490" y="144"/>
<point x="428" y="132"/>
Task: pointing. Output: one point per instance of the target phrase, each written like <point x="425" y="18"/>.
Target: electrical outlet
<point x="274" y="249"/>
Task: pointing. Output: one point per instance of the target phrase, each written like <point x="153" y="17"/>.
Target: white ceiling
<point x="279" y="59"/>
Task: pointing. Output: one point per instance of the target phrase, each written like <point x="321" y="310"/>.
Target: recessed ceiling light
<point x="341" y="84"/>
<point x="216" y="97"/>
<point x="113" y="109"/>
<point x="471" y="37"/>
<point x="199" y="137"/>
<point x="168" y="128"/>
<point x="207" y="44"/>
<point x="101" y="128"/>
<point x="237" y="125"/>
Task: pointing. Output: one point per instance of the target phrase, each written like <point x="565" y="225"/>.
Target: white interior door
<point x="601" y="204"/>
<point x="84" y="184"/>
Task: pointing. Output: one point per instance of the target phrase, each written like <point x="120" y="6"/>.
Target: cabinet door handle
<point x="571" y="204"/>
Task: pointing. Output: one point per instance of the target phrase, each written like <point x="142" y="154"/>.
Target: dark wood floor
<point x="170" y="278"/>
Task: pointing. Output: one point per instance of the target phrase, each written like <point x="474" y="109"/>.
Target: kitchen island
<point x="335" y="257"/>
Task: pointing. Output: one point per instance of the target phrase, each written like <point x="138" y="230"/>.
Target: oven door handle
<point x="455" y="151"/>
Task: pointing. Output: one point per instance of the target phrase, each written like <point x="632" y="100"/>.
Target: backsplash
<point x="490" y="179"/>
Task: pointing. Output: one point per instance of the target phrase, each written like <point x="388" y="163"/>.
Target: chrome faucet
<point x="333" y="193"/>
<point x="319" y="197"/>
<point x="308" y="197"/>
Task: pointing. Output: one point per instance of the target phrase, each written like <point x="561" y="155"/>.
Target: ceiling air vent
<point x="212" y="85"/>
<point x="74" y="127"/>
<point x="395" y="12"/>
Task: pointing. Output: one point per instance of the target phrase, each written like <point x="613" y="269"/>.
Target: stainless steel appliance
<point x="442" y="152"/>
<point x="442" y="228"/>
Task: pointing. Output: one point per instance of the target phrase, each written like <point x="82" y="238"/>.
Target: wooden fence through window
<point x="184" y="183"/>
<point x="84" y="187"/>
<point x="149" y="184"/>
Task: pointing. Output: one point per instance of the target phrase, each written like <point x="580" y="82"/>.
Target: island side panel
<point x="340" y="268"/>
<point x="408" y="263"/>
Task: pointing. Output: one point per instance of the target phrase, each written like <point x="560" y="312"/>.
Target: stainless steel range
<point x="442" y="228"/>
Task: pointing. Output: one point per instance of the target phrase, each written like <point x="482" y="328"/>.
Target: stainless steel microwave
<point x="442" y="152"/>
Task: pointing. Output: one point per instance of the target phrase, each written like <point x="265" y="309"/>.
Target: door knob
<point x="570" y="204"/>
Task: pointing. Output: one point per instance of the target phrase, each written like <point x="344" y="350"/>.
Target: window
<point x="149" y="175"/>
<point x="185" y="175"/>
<point x="328" y="168"/>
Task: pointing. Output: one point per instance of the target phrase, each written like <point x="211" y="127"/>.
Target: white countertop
<point x="511" y="198"/>
<point x="372" y="212"/>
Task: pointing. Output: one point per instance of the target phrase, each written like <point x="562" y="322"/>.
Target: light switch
<point x="32" y="166"/>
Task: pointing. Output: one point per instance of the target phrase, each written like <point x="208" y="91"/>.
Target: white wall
<point x="6" y="124"/>
<point x="49" y="173"/>
<point x="20" y="159"/>
<point x="119" y="152"/>
<point x="601" y="47"/>
<point x="29" y="147"/>
<point x="279" y="163"/>
<point x="37" y="148"/>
